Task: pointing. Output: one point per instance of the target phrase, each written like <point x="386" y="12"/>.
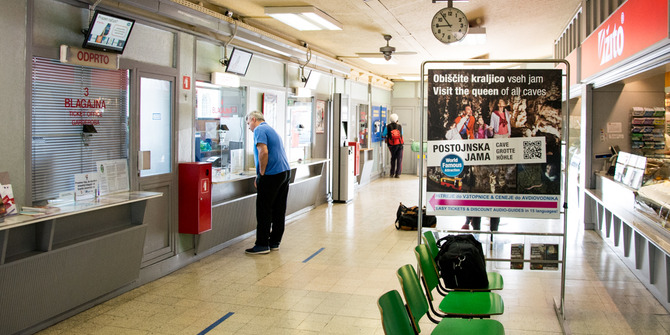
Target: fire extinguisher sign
<point x="204" y="186"/>
<point x="186" y="82"/>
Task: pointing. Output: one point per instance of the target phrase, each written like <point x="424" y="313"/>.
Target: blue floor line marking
<point x="314" y="254"/>
<point x="213" y="325"/>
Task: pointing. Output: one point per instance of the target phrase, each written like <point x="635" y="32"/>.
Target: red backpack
<point x="395" y="136"/>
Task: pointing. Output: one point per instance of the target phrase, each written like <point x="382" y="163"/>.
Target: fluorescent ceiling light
<point x="379" y="60"/>
<point x="475" y="36"/>
<point x="304" y="18"/>
<point x="410" y="77"/>
<point x="225" y="79"/>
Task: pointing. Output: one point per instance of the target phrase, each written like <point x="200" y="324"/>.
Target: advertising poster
<point x="320" y="116"/>
<point x="363" y="126"/>
<point x="494" y="140"/>
<point x="376" y="135"/>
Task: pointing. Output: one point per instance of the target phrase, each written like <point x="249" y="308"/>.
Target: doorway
<point x="408" y="118"/>
<point x="153" y="155"/>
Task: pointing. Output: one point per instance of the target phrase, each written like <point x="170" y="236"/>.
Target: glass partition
<point x="299" y="128"/>
<point x="220" y="126"/>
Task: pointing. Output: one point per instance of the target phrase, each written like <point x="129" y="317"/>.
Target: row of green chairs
<point x="400" y="319"/>
<point x="397" y="321"/>
<point x="461" y="311"/>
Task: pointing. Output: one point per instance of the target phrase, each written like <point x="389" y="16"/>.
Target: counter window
<point x="79" y="115"/>
<point x="220" y="126"/>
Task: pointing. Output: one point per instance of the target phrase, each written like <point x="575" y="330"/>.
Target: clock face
<point x="449" y="25"/>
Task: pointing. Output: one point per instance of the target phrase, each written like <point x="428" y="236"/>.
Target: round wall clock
<point x="449" y="25"/>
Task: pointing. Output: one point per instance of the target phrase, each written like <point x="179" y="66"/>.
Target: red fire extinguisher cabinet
<point x="195" y="197"/>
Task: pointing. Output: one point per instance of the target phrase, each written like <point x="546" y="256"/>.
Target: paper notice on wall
<point x="614" y="127"/>
<point x="113" y="176"/>
<point x="86" y="185"/>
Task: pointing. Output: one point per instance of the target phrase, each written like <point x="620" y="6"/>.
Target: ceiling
<point x="516" y="29"/>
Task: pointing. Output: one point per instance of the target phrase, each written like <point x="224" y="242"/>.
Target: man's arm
<point x="262" y="157"/>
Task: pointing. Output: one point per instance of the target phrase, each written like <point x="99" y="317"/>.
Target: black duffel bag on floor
<point x="407" y="218"/>
<point x="461" y="262"/>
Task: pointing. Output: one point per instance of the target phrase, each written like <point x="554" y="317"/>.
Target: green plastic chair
<point x="397" y="321"/>
<point x="455" y="304"/>
<point x="495" y="279"/>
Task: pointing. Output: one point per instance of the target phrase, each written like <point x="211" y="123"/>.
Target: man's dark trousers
<point x="272" y="191"/>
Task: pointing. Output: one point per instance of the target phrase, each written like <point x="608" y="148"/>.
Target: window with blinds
<point x="66" y="101"/>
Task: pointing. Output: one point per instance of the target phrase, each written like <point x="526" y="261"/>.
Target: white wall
<point x="12" y="94"/>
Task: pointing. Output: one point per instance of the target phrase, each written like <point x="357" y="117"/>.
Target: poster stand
<point x="559" y="303"/>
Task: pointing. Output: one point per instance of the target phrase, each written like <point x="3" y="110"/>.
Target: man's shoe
<point x="397" y="176"/>
<point x="256" y="250"/>
<point x="274" y="247"/>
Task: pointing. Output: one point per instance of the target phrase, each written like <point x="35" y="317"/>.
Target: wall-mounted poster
<point x="363" y="126"/>
<point x="494" y="140"/>
<point x="376" y="131"/>
<point x="270" y="108"/>
<point x="320" y="116"/>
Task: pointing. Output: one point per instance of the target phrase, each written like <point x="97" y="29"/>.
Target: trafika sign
<point x="86" y="57"/>
<point x="635" y="26"/>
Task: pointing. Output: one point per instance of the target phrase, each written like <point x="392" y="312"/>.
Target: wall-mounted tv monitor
<point x="108" y="32"/>
<point x="239" y="62"/>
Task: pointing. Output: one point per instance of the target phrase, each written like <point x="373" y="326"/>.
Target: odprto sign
<point x="86" y="57"/>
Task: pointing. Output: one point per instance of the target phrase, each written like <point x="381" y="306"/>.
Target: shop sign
<point x="87" y="57"/>
<point x="635" y="26"/>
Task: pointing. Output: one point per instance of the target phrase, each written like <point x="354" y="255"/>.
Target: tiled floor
<point x="336" y="260"/>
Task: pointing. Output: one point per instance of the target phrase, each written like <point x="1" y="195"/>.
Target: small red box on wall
<point x="195" y="197"/>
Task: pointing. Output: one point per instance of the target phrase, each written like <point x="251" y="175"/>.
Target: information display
<point x="494" y="140"/>
<point x="108" y="32"/>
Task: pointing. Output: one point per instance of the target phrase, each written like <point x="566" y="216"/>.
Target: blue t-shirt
<point x="277" y="161"/>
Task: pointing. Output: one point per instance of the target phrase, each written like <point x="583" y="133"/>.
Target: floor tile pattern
<point x="335" y="291"/>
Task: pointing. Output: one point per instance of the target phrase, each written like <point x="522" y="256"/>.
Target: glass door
<point x="154" y="148"/>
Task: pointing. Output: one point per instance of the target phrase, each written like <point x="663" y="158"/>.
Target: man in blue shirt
<point x="272" y="179"/>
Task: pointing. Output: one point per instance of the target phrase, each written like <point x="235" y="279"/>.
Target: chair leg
<point x="430" y="303"/>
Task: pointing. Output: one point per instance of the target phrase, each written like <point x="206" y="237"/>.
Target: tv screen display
<point x="239" y="62"/>
<point x="108" y="32"/>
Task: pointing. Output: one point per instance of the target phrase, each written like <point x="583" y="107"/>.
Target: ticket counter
<point x="234" y="202"/>
<point x="53" y="263"/>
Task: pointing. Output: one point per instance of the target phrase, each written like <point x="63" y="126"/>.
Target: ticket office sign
<point x="494" y="143"/>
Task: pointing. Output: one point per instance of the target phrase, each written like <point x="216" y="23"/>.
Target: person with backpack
<point x="393" y="135"/>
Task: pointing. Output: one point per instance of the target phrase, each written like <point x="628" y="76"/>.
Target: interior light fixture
<point x="410" y="77"/>
<point x="304" y="18"/>
<point x="475" y="36"/>
<point x="225" y="79"/>
<point x="379" y="61"/>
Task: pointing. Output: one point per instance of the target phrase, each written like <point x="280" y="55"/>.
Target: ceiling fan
<point x="386" y="51"/>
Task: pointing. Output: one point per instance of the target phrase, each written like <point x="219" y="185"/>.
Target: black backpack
<point x="461" y="262"/>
